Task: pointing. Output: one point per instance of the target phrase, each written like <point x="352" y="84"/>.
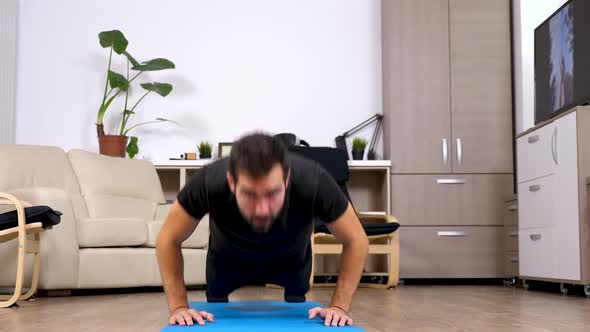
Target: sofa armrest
<point x="162" y="211"/>
<point x="59" y="246"/>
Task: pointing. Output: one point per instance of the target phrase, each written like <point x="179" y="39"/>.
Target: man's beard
<point x="261" y="225"/>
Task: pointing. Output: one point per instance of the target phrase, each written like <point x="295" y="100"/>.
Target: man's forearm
<point x="172" y="273"/>
<point x="352" y="263"/>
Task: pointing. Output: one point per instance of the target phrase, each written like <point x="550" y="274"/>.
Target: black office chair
<point x="382" y="230"/>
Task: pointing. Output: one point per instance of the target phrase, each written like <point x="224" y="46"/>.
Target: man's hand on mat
<point x="332" y="316"/>
<point x="186" y="316"/>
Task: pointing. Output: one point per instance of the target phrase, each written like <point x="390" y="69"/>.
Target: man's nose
<point x="262" y="207"/>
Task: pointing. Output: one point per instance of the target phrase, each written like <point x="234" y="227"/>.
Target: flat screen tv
<point x="562" y="60"/>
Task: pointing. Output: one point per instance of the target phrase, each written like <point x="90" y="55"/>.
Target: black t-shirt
<point x="311" y="193"/>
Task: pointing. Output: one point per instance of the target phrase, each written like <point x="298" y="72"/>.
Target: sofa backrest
<point x="25" y="166"/>
<point x="117" y="187"/>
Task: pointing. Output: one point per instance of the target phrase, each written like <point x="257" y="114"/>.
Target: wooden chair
<point x="382" y="230"/>
<point x="29" y="236"/>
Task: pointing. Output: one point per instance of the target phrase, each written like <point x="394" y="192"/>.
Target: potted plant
<point x="204" y="150"/>
<point x="114" y="145"/>
<point x="358" y="148"/>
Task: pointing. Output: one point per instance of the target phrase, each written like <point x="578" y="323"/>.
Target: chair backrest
<point x="334" y="161"/>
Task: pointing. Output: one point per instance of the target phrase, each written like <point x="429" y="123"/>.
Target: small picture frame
<point x="224" y="149"/>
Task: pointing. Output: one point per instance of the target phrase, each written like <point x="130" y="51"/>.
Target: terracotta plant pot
<point x="358" y="155"/>
<point x="113" y="145"/>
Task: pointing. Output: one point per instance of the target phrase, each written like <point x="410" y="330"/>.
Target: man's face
<point x="260" y="200"/>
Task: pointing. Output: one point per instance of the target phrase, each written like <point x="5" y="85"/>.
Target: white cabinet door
<point x="565" y="199"/>
<point x="537" y="253"/>
<point x="536" y="200"/>
<point x="536" y="154"/>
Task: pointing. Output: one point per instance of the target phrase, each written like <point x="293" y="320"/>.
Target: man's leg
<point x="296" y="283"/>
<point x="222" y="282"/>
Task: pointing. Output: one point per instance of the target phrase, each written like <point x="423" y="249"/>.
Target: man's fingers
<point x="328" y="319"/>
<point x="349" y="321"/>
<point x="335" y="320"/>
<point x="314" y="312"/>
<point x="343" y="321"/>
<point x="187" y="318"/>
<point x="207" y="316"/>
<point x="180" y="320"/>
<point x="197" y="317"/>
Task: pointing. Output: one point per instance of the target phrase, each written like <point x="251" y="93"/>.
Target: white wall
<point x="527" y="15"/>
<point x="8" y="15"/>
<point x="312" y="67"/>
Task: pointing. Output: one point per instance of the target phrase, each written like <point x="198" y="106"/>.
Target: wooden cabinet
<point x="448" y="129"/>
<point x="451" y="252"/>
<point x="511" y="248"/>
<point x="417" y="123"/>
<point x="447" y="91"/>
<point x="453" y="200"/>
<point x="481" y="111"/>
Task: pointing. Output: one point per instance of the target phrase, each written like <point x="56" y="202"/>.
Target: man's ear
<point x="230" y="182"/>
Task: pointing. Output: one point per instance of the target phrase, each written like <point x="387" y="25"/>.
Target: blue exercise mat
<point x="260" y="316"/>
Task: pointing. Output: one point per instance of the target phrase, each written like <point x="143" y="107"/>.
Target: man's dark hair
<point x="256" y="154"/>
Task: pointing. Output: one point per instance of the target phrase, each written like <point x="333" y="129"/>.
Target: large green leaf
<point x="132" y="148"/>
<point x="114" y="38"/>
<point x="118" y="81"/>
<point x="131" y="59"/>
<point x="163" y="89"/>
<point x="154" y="64"/>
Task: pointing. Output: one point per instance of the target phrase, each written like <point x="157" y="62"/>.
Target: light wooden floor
<point x="408" y="308"/>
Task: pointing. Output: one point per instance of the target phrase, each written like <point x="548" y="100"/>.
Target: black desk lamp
<point x="371" y="155"/>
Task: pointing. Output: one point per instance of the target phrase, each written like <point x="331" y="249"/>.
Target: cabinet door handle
<point x="512" y="208"/>
<point x="451" y="181"/>
<point x="533" y="139"/>
<point x="445" y="151"/>
<point x="450" y="234"/>
<point x="514" y="259"/>
<point x="535" y="188"/>
<point x="459" y="151"/>
<point x="555" y="156"/>
<point x="513" y="234"/>
<point x="535" y="237"/>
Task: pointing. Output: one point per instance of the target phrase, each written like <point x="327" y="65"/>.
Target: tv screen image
<point x="561" y="59"/>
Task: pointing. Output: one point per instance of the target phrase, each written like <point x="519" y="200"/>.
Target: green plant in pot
<point x="204" y="150"/>
<point x="116" y="84"/>
<point x="358" y="148"/>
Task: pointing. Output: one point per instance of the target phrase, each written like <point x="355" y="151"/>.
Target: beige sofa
<point x="112" y="208"/>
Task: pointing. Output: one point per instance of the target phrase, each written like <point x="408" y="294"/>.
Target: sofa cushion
<point x="117" y="187"/>
<point x="31" y="166"/>
<point x="199" y="239"/>
<point x="111" y="232"/>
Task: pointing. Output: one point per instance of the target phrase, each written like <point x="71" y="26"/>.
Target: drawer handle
<point x="451" y="181"/>
<point x="513" y="234"/>
<point x="533" y="139"/>
<point x="514" y="259"/>
<point x="512" y="208"/>
<point x="535" y="237"/>
<point x="535" y="188"/>
<point x="451" y="234"/>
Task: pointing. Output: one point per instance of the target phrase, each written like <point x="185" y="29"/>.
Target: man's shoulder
<point x="214" y="174"/>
